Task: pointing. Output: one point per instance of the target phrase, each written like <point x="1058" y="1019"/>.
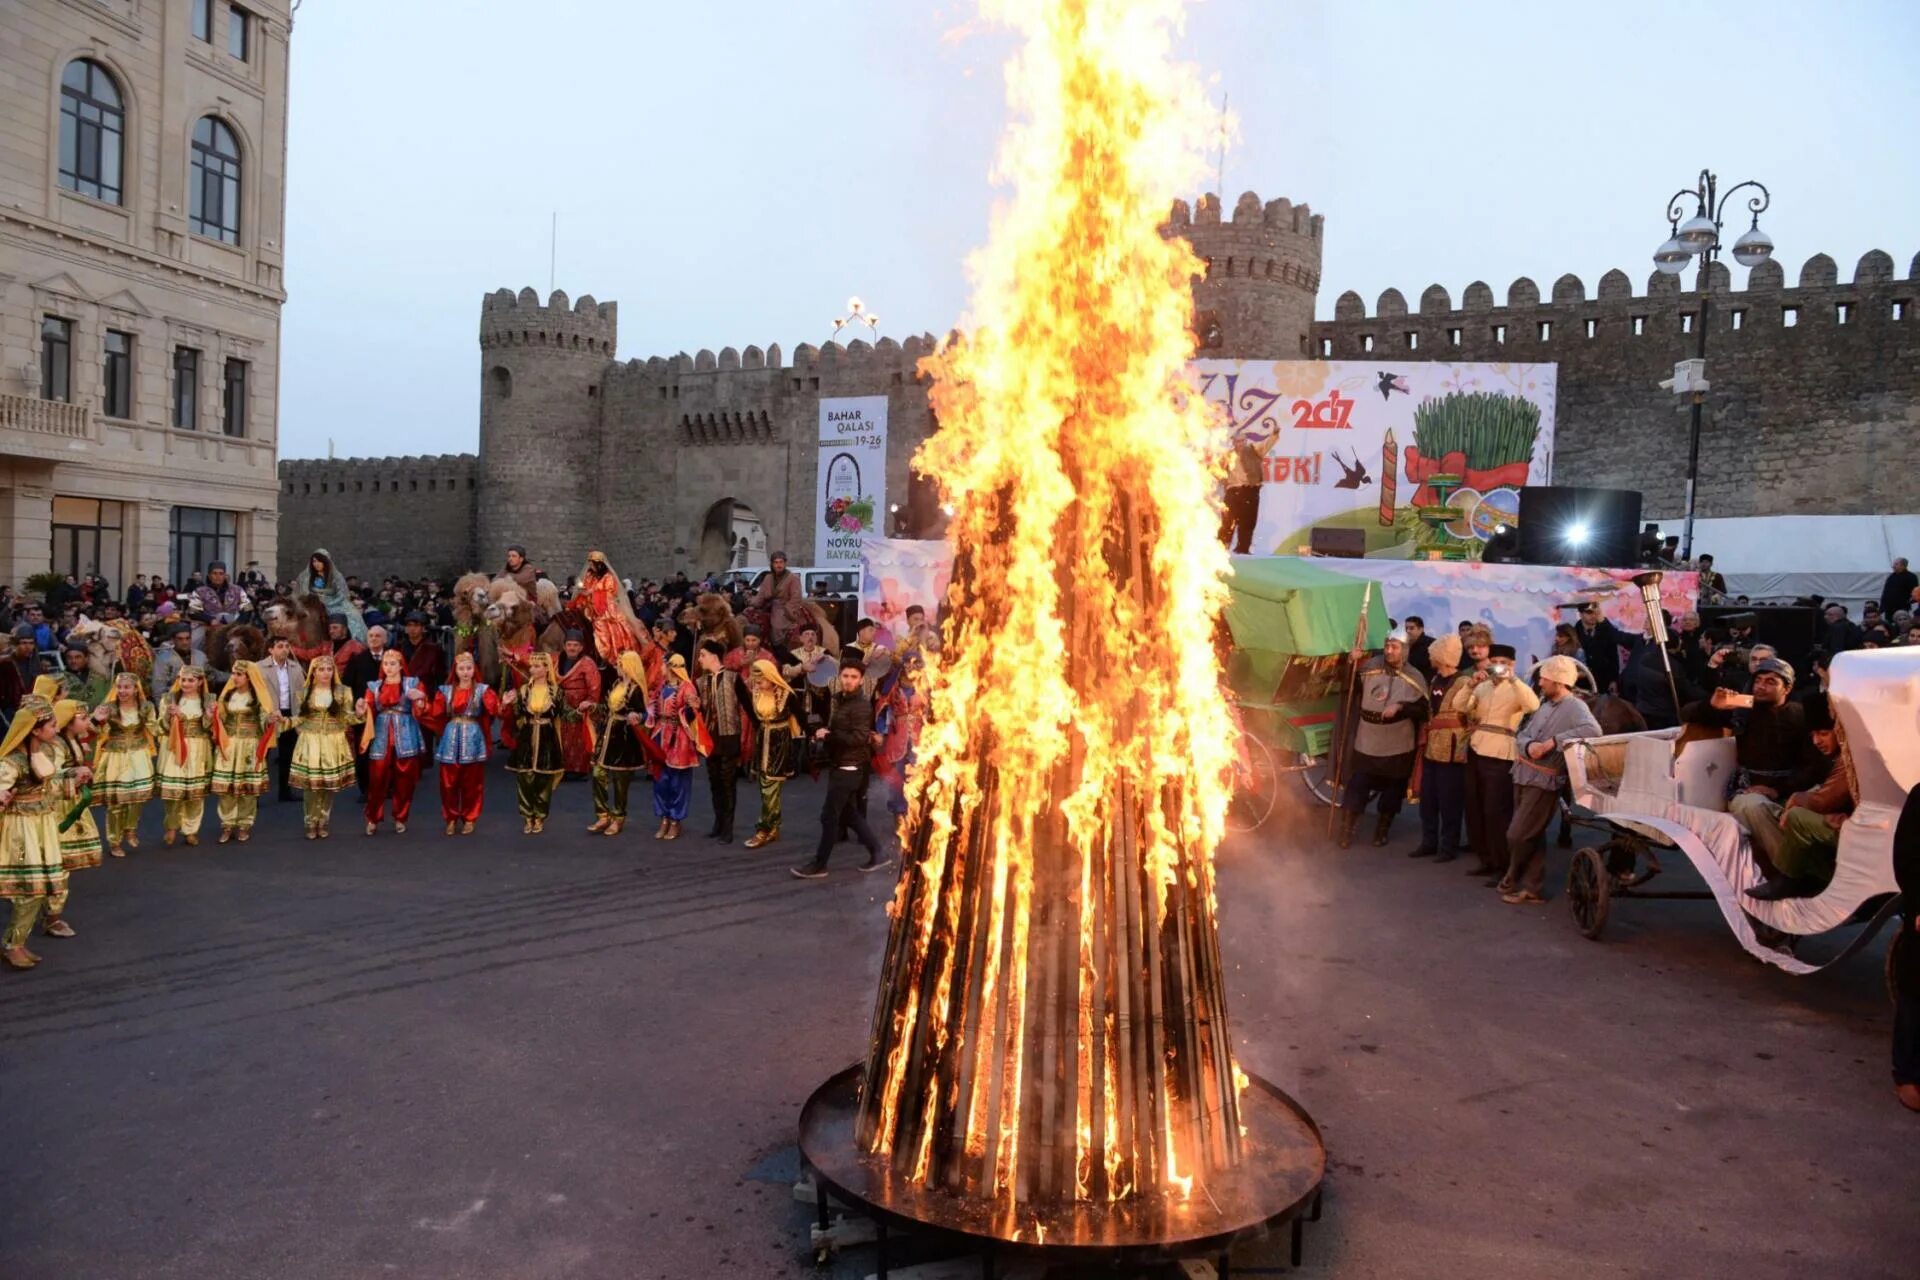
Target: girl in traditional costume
<point x="244" y="724"/>
<point x="777" y="741"/>
<point x="80" y="841"/>
<point x="327" y="582"/>
<point x="35" y="791"/>
<point x="461" y="714"/>
<point x="129" y="738"/>
<point x="322" y="764"/>
<point x="186" y="755"/>
<point x="602" y="597"/>
<point x="392" y="740"/>
<point x="536" y="740"/>
<point x="673" y="722"/>
<point x="622" y="750"/>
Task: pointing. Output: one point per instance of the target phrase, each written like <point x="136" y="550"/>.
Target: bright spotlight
<point x="1577" y="534"/>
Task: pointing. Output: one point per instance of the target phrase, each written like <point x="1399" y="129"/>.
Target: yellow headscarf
<point x="306" y="688"/>
<point x="767" y="671"/>
<point x="765" y="703"/>
<point x="173" y="690"/>
<point x="33" y="710"/>
<point x="540" y="699"/>
<point x="633" y="675"/>
<point x="256" y="679"/>
<point x="677" y="665"/>
<point x="48" y="689"/>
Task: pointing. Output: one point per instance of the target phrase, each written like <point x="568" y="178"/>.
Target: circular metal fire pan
<point x="1284" y="1164"/>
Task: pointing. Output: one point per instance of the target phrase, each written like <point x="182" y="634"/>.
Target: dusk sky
<point x="730" y="173"/>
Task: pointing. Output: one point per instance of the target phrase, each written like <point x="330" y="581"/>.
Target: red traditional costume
<point x="602" y="597"/>
<point x="461" y="717"/>
<point x="580" y="690"/>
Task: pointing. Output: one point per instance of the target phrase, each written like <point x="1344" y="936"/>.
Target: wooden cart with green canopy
<point x="1292" y="625"/>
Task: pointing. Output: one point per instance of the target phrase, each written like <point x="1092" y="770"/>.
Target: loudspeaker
<point x="1347" y="544"/>
<point x="1589" y="527"/>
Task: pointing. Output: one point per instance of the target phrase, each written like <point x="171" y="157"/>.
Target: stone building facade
<point x="142" y="173"/>
<point x="1815" y="406"/>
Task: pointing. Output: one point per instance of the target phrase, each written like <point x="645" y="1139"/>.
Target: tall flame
<point x="1051" y="1022"/>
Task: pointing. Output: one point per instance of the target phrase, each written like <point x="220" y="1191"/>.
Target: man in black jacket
<point x="850" y="741"/>
<point x="1600" y="640"/>
<point x="1896" y="593"/>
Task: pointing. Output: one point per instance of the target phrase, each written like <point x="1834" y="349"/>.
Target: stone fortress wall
<point x="1815" y="400"/>
<point x="1815" y="406"/>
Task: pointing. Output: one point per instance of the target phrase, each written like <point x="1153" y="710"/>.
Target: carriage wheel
<point x="1256" y="785"/>
<point x="1315" y="775"/>
<point x="1589" y="891"/>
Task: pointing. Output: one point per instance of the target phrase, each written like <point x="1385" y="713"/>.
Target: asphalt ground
<point x="562" y="1055"/>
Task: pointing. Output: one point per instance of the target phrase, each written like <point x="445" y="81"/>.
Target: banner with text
<point x="1425" y="458"/>
<point x="853" y="477"/>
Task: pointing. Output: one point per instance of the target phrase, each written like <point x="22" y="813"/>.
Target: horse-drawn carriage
<point x="1649" y="793"/>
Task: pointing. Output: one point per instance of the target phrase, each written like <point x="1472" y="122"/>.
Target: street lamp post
<point x="1700" y="236"/>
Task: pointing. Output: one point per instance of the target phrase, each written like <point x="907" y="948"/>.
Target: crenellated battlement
<point x="508" y="319"/>
<point x="423" y="473"/>
<point x="1568" y="314"/>
<point x="883" y="356"/>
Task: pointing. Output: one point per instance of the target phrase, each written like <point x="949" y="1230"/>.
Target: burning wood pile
<point x="1051" y="1025"/>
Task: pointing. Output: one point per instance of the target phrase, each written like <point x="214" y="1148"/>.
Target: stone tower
<point x="1263" y="270"/>
<point x="540" y="384"/>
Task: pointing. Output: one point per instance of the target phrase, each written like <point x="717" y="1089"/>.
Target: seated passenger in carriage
<point x="1771" y="730"/>
<point x="1798" y="841"/>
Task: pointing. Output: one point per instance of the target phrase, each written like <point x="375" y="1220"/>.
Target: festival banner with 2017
<point x="1426" y="458"/>
<point x="852" y="488"/>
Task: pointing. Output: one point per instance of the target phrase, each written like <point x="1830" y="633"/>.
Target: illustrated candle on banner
<point x="1389" y="483"/>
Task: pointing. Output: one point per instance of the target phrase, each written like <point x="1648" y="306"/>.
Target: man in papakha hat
<point x="1392" y="700"/>
<point x="1539" y="771"/>
<point x="779" y="594"/>
<point x="580" y="685"/>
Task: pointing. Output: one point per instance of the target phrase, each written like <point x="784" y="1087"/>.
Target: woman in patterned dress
<point x="186" y="755"/>
<point x="462" y="714"/>
<point x="245" y="720"/>
<point x="535" y="753"/>
<point x="129" y="738"/>
<point x="80" y="842"/>
<point x="621" y="752"/>
<point x="34" y="791"/>
<point x="393" y="742"/>
<point x="322" y="764"/>
<point x="671" y="716"/>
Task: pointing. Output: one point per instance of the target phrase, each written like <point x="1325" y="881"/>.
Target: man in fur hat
<point x="779" y="594"/>
<point x="1393" y="700"/>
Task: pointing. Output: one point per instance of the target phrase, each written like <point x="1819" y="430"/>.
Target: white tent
<point x="1778" y="558"/>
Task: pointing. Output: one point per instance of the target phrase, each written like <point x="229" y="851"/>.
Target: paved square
<point x="526" y="1057"/>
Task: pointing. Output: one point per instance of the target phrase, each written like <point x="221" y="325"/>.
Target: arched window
<point x="92" y="126"/>
<point x="501" y="381"/>
<point x="215" y="195"/>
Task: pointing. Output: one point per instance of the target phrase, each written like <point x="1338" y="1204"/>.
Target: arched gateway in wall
<point x="731" y="536"/>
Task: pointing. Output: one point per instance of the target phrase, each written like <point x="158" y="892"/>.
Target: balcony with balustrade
<point x="49" y="430"/>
